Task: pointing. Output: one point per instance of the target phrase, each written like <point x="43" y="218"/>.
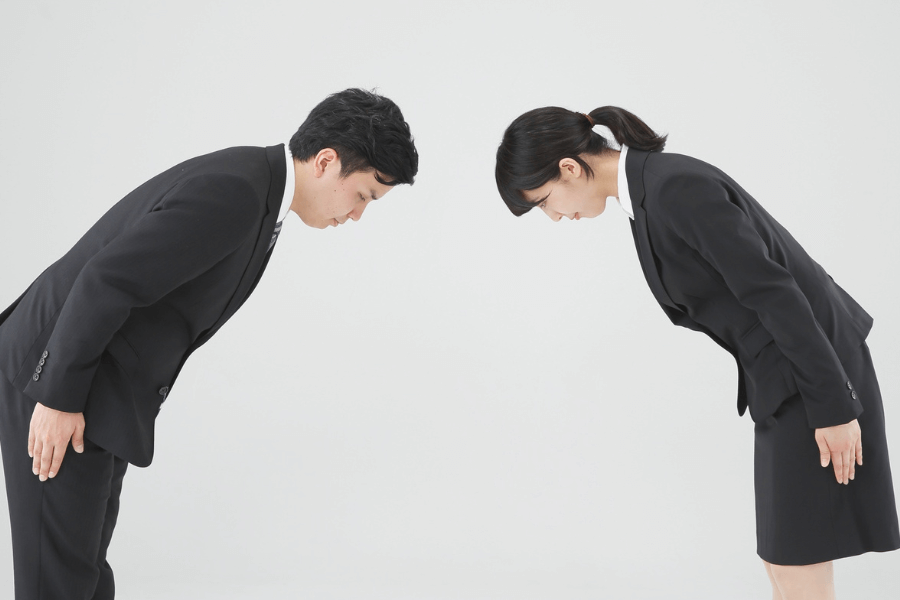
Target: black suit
<point x="718" y="263"/>
<point x="106" y="329"/>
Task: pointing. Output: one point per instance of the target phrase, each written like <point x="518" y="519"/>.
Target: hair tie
<point x="590" y="120"/>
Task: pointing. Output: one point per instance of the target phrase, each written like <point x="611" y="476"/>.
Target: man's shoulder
<point x="235" y="158"/>
<point x="253" y="164"/>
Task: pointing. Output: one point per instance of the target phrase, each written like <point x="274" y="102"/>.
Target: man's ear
<point x="569" y="169"/>
<point x="326" y="159"/>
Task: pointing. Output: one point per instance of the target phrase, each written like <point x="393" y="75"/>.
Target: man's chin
<point x="316" y="225"/>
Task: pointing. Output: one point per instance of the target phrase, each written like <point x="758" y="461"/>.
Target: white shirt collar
<point x="624" y="198"/>
<point x="288" y="185"/>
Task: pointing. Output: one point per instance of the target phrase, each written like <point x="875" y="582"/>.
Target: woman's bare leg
<point x="776" y="593"/>
<point x="805" y="582"/>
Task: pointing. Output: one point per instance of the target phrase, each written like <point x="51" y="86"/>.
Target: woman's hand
<point x="842" y="446"/>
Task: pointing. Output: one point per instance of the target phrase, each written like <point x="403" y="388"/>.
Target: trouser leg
<point x="106" y="587"/>
<point x="62" y="527"/>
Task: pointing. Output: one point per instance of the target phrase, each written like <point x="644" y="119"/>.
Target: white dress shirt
<point x="288" y="186"/>
<point x="624" y="198"/>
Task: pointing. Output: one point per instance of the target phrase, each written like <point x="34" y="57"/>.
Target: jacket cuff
<point x="837" y="411"/>
<point x="42" y="388"/>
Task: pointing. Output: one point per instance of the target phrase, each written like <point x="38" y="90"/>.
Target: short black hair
<point x="367" y="131"/>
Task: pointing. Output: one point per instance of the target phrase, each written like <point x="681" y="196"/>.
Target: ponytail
<point x="628" y="129"/>
<point x="533" y="145"/>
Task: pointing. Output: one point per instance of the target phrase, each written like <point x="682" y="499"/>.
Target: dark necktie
<point x="275" y="235"/>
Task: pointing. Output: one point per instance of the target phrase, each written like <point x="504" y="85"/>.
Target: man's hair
<point x="366" y="130"/>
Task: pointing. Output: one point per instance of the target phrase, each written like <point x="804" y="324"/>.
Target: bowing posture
<point x="718" y="263"/>
<point x="91" y="350"/>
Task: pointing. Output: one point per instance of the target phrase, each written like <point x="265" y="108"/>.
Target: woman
<point x="718" y="263"/>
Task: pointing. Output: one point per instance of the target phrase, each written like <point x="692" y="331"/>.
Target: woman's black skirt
<point x="803" y="515"/>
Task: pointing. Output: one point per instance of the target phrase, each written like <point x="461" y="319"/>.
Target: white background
<point x="443" y="401"/>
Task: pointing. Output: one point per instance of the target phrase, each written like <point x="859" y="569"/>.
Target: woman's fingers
<point x="837" y="459"/>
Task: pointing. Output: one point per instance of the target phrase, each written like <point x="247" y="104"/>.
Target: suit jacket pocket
<point x="754" y="340"/>
<point x="121" y="352"/>
<point x="767" y="373"/>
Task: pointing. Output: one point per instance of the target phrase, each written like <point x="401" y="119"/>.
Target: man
<point x="92" y="348"/>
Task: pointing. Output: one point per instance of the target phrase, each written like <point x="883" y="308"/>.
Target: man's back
<point x="119" y="313"/>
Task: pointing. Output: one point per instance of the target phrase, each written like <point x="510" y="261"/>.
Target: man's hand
<point x="842" y="445"/>
<point x="48" y="438"/>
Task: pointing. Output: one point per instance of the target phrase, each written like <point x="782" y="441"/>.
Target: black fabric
<point x="718" y="263"/>
<point x="803" y="516"/>
<point x="61" y="528"/>
<point x="106" y="329"/>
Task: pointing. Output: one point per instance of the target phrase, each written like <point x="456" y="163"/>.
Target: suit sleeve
<point x="699" y="210"/>
<point x="194" y="227"/>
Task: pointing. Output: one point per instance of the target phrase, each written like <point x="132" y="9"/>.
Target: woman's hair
<point x="533" y="145"/>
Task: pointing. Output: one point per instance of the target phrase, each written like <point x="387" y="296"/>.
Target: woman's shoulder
<point x="677" y="185"/>
<point x="666" y="165"/>
<point x="665" y="171"/>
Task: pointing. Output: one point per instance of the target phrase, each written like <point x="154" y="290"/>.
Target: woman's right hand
<point x="841" y="445"/>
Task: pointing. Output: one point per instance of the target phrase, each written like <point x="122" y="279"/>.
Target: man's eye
<point x="361" y="197"/>
<point x="542" y="205"/>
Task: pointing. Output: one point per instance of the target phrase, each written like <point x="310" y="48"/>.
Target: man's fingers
<point x="46" y="458"/>
<point x="36" y="459"/>
<point x="78" y="439"/>
<point x="31" y="441"/>
<point x="846" y="463"/>
<point x="859" y="451"/>
<point x="58" y="455"/>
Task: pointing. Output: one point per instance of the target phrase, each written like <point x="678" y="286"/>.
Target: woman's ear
<point x="569" y="169"/>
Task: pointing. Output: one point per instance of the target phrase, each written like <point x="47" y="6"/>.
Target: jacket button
<point x="854" y="396"/>
<point x="41" y="362"/>
<point x="38" y="369"/>
<point x="849" y="386"/>
<point x="164" y="390"/>
<point x="45" y="354"/>
<point x="35" y="377"/>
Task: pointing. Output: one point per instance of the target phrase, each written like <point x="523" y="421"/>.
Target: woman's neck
<point x="606" y="172"/>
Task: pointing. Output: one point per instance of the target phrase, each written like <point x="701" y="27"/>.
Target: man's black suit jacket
<point x="106" y="328"/>
<point x="717" y="262"/>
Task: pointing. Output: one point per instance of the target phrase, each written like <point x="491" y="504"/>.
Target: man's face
<point x="331" y="200"/>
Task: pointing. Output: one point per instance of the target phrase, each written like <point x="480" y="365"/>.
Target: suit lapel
<point x="634" y="173"/>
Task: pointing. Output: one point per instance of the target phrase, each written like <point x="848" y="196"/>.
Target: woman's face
<point x="572" y="195"/>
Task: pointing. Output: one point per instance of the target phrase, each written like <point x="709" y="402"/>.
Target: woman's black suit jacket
<point x="717" y="262"/>
<point x="106" y="328"/>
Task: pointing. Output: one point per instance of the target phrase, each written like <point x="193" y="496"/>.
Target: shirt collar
<point x="288" y="185"/>
<point x="624" y="198"/>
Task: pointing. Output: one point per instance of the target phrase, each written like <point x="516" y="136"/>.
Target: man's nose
<point x="357" y="213"/>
